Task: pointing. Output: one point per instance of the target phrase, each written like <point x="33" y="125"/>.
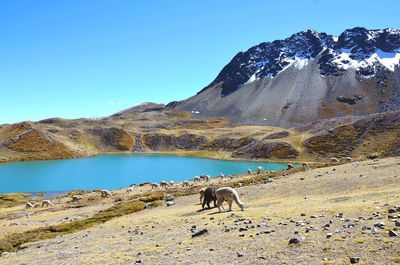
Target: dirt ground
<point x="333" y="212"/>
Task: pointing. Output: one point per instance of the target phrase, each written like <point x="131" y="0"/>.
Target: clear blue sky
<point x="91" y="58"/>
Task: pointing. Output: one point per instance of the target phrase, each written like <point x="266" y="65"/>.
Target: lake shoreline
<point x="118" y="170"/>
<point x="199" y="154"/>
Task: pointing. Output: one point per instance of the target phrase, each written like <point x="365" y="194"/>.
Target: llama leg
<point x="230" y="205"/>
<point x="222" y="205"/>
<point x="219" y="204"/>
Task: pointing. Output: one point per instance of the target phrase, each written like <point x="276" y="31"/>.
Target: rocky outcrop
<point x="375" y="133"/>
<point x="267" y="150"/>
<point x="114" y="138"/>
<point x="228" y="144"/>
<point x="341" y="140"/>
<point x="165" y="142"/>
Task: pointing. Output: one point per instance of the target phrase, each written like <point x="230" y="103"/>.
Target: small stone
<point x="199" y="233"/>
<point x="380" y="225"/>
<point x="329" y="235"/>
<point x="239" y="254"/>
<point x="242" y="229"/>
<point x="138" y="261"/>
<point x="294" y="240"/>
<point x="354" y="260"/>
<point x="392" y="233"/>
<point x="170" y="203"/>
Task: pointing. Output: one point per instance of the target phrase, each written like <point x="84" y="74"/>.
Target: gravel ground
<point x="330" y="214"/>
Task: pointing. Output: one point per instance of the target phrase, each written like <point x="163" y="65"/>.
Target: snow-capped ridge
<point x="357" y="48"/>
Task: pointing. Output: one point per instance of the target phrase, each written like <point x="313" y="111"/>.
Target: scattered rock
<point x="239" y="254"/>
<point x="354" y="260"/>
<point x="294" y="240"/>
<point x="200" y="232"/>
<point x="381" y="225"/>
<point x="392" y="233"/>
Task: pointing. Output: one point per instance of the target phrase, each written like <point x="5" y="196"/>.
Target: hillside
<point x="304" y="78"/>
<point x="156" y="128"/>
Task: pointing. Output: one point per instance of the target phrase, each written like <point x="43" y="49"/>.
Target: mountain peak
<point x="308" y="76"/>
<point x="354" y="48"/>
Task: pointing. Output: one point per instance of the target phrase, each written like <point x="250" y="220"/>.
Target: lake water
<point x="114" y="171"/>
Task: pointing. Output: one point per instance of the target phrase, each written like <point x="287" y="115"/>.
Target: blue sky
<point x="92" y="58"/>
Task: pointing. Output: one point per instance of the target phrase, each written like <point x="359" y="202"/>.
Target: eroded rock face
<point x="340" y="140"/>
<point x="191" y="141"/>
<point x="228" y="144"/>
<point x="114" y="137"/>
<point x="160" y="141"/>
<point x="269" y="150"/>
<point x="376" y="133"/>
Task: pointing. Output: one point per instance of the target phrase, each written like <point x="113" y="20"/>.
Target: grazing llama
<point x="229" y="195"/>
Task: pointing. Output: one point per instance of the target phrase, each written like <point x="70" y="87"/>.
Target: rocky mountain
<point x="306" y="77"/>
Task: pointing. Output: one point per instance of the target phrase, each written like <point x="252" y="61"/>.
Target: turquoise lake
<point x="114" y="171"/>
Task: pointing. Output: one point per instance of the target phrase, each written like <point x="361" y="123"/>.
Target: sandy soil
<point x="304" y="205"/>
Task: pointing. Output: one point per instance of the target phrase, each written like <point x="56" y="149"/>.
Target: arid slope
<point x="155" y="128"/>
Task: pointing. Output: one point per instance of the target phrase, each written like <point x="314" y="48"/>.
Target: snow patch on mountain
<point x="387" y="59"/>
